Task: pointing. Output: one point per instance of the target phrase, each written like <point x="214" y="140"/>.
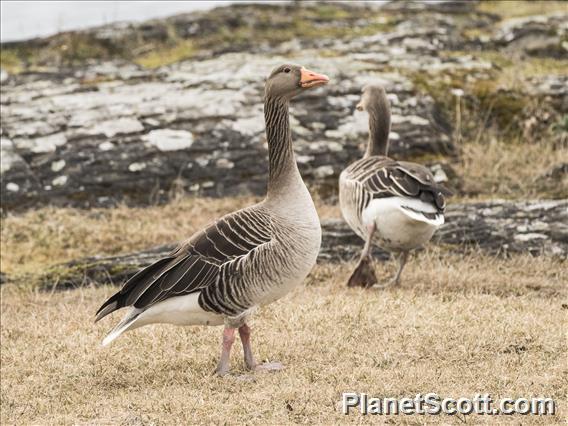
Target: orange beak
<point x="312" y="79"/>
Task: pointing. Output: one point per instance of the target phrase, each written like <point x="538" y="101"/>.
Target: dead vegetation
<point x="37" y="239"/>
<point x="517" y="8"/>
<point x="514" y="170"/>
<point x="50" y="235"/>
<point x="162" y="42"/>
<point x="457" y="326"/>
<point x="509" y="140"/>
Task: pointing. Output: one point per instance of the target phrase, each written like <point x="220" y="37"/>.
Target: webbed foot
<point x="363" y="275"/>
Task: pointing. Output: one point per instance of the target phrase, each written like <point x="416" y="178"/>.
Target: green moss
<point x="494" y="98"/>
<point x="58" y="276"/>
<point x="535" y="67"/>
<point x="438" y="88"/>
<point x="515" y="9"/>
<point x="561" y="125"/>
<point x="78" y="49"/>
<point x="166" y="55"/>
<point x="505" y="107"/>
<point x="63" y="276"/>
<point x="10" y="61"/>
<point x="330" y="12"/>
<point x="509" y="69"/>
<point x="236" y="28"/>
<point x="283" y="28"/>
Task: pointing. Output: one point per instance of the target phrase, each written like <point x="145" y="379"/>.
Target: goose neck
<point x="282" y="168"/>
<point x="379" y="128"/>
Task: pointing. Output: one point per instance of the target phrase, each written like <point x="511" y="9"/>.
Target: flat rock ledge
<point x="196" y="128"/>
<point x="105" y="130"/>
<point x="495" y="227"/>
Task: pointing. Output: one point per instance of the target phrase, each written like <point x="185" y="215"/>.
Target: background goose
<point x="244" y="260"/>
<point x="394" y="204"/>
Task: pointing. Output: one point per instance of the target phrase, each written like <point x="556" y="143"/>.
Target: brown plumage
<point x="245" y="259"/>
<point x="396" y="205"/>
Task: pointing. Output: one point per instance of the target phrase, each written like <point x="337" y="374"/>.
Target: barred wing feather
<point x="195" y="264"/>
<point x="383" y="177"/>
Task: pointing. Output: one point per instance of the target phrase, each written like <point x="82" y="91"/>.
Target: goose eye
<point x="286" y="70"/>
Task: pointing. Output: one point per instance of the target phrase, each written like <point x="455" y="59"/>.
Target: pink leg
<point x="369" y="242"/>
<point x="228" y="340"/>
<point x="244" y="332"/>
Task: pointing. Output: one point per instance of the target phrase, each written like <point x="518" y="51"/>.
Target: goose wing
<point x="196" y="263"/>
<point x="384" y="177"/>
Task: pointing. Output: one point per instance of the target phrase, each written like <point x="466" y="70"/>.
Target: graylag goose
<point x="245" y="259"/>
<point x="396" y="205"/>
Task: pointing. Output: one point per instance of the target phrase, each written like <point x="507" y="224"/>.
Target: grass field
<point x="459" y="325"/>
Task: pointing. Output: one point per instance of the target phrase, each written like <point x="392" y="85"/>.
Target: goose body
<point x="209" y="275"/>
<point x="402" y="222"/>
<point x="395" y="205"/>
<point x="242" y="261"/>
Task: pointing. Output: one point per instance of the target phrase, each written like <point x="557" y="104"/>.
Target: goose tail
<point x="435" y="219"/>
<point x="421" y="211"/>
<point x="124" y="325"/>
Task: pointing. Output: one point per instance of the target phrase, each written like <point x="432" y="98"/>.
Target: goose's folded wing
<point x="387" y="178"/>
<point x="196" y="263"/>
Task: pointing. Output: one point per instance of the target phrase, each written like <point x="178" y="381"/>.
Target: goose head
<point x="288" y="80"/>
<point x="372" y="95"/>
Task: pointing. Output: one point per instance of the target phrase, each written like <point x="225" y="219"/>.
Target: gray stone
<point x="169" y="140"/>
<point x="198" y="125"/>
<point x="121" y="136"/>
<point x="538" y="227"/>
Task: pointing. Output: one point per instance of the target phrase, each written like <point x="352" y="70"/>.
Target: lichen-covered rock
<point x="4" y="75"/>
<point x="496" y="227"/>
<point x="541" y="35"/>
<point x="95" y="131"/>
<point x="196" y="124"/>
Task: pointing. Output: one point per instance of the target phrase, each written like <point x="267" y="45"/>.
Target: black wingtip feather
<point x="111" y="305"/>
<point x="130" y="290"/>
<point x="445" y="191"/>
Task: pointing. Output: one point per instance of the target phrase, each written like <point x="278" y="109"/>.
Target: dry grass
<point x="517" y="9"/>
<point x="457" y="326"/>
<point x="51" y="235"/>
<point x="511" y="170"/>
<point x="508" y="140"/>
<point x="39" y="238"/>
<point x="513" y="70"/>
<point x="159" y="57"/>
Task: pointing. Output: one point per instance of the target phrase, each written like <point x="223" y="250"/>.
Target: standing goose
<point x="245" y="259"/>
<point x="396" y="205"/>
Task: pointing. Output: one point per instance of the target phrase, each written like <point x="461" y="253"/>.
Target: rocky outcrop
<point x="98" y="130"/>
<point x="539" y="36"/>
<point x="197" y="127"/>
<point x="497" y="227"/>
<point x="111" y="131"/>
